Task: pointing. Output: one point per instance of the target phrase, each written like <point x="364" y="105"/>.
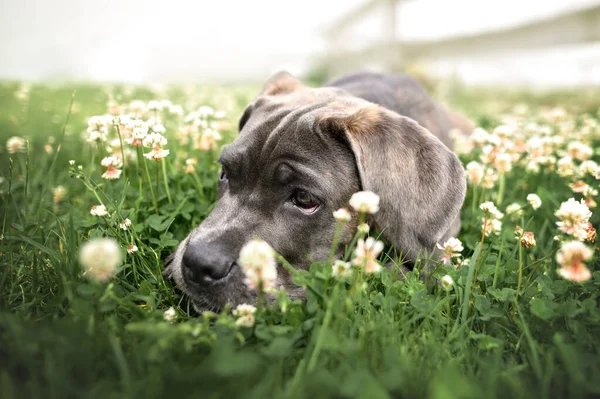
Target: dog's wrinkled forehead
<point x="286" y="125"/>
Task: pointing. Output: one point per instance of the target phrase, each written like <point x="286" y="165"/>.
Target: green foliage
<point x="386" y="335"/>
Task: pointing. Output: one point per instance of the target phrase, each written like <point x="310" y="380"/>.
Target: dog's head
<point x="301" y="154"/>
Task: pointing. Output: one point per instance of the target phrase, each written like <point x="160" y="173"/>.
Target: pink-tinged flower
<point x="571" y="256"/>
<point x="365" y="202"/>
<point x="451" y="249"/>
<point x="139" y="131"/>
<point x="579" y="186"/>
<point x="503" y="163"/>
<point x="534" y="200"/>
<point x="132" y="248"/>
<point x="475" y="172"/>
<point x="190" y="165"/>
<point x="155" y="141"/>
<point x="257" y="261"/>
<point x="528" y="239"/>
<point x="125" y="224"/>
<point x="566" y="167"/>
<point x="207" y="140"/>
<point x="341" y="269"/>
<point x="97" y="129"/>
<point x="98" y="210"/>
<point x="578" y="150"/>
<point x="574" y="217"/>
<point x="245" y="315"/>
<point x="342" y="215"/>
<point x="16" y="144"/>
<point x="366" y="254"/>
<point x="489" y="179"/>
<point x="491" y="226"/>
<point x="113" y="164"/>
<point x="100" y="258"/>
<point x="591" y="233"/>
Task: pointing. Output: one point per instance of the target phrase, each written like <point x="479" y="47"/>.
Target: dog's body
<point x="302" y="152"/>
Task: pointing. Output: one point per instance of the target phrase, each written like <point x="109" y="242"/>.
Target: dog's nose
<point x="204" y="264"/>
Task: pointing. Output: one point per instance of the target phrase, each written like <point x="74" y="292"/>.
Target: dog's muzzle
<point x="205" y="264"/>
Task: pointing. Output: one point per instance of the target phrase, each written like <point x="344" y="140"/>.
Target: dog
<point x="300" y="155"/>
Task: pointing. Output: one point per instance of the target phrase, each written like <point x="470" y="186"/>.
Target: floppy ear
<point x="280" y="83"/>
<point x="420" y="182"/>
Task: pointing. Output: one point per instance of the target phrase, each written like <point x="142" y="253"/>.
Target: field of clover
<point x="99" y="184"/>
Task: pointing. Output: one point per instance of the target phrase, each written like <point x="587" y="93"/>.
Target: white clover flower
<point x="578" y="150"/>
<point x="492" y="226"/>
<point x="479" y="136"/>
<point x="589" y="167"/>
<point x="490" y="209"/>
<point x="451" y="249"/>
<point x="566" y="167"/>
<point x="342" y="215"/>
<point x="341" y="269"/>
<point x="72" y="162"/>
<point x="98" y="210"/>
<point x="365" y="201"/>
<point x="514" y="210"/>
<point x="16" y="144"/>
<point x="571" y="256"/>
<point x="154" y="105"/>
<point x="100" y="258"/>
<point x="245" y="315"/>
<point x="159" y="128"/>
<point x="170" y="314"/>
<point x="176" y="110"/>
<point x="363" y="228"/>
<point x="574" y="217"/>
<point x="503" y="163"/>
<point x="125" y="224"/>
<point x="475" y="172"/>
<point x="132" y="248"/>
<point x="137" y="108"/>
<point x="205" y="111"/>
<point x="447" y="282"/>
<point x="490" y="178"/>
<point x="257" y="261"/>
<point x="113" y="164"/>
<point x="366" y="254"/>
<point x="534" y="200"/>
<point x="156" y="141"/>
<point x="58" y="194"/>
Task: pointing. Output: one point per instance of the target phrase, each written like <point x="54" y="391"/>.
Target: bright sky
<point x="154" y="40"/>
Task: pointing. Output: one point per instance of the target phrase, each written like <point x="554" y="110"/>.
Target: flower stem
<point x="501" y="188"/>
<point x="122" y="152"/>
<point x="520" y="269"/>
<point x="336" y="239"/>
<point x="322" y="331"/>
<point x="164" y="170"/>
<point x="479" y="254"/>
<point x="498" y="260"/>
<point x="150" y="184"/>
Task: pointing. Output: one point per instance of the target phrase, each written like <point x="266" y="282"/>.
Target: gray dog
<point x="300" y="155"/>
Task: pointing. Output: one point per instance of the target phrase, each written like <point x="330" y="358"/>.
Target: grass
<point x="64" y="335"/>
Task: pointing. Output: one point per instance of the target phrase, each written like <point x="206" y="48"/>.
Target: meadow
<point x="511" y="311"/>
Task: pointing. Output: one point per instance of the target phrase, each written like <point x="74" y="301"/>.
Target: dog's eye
<point x="305" y="201"/>
<point x="223" y="176"/>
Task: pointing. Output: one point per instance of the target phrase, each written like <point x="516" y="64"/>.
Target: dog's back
<point x="402" y="94"/>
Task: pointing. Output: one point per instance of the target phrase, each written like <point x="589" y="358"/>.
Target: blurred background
<point x="551" y="43"/>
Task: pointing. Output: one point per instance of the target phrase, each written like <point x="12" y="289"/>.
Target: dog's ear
<point x="280" y="83"/>
<point x="420" y="182"/>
